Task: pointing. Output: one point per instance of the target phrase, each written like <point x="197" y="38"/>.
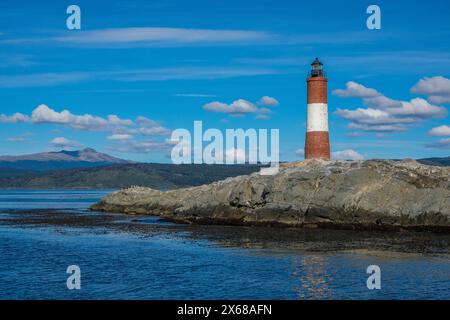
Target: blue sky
<point x="154" y="65"/>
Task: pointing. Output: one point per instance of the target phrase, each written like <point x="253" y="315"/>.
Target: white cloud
<point x="44" y="114"/>
<point x="382" y="102"/>
<point x="116" y="121"/>
<point x="373" y="120"/>
<point x="378" y="127"/>
<point x="64" y="143"/>
<point x="418" y="108"/>
<point x="120" y="137"/>
<point x="354" y="89"/>
<point x="443" y="130"/>
<point x="384" y="114"/>
<point x="241" y="107"/>
<point x="151" y="127"/>
<point x="300" y="152"/>
<point x="368" y="115"/>
<point x="144" y="121"/>
<point x="439" y="99"/>
<point x="154" y="131"/>
<point x="122" y="131"/>
<point x="432" y="86"/>
<point x="347" y="154"/>
<point x="436" y="88"/>
<point x="268" y="101"/>
<point x="15" y="118"/>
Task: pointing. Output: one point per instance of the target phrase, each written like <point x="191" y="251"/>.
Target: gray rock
<point x="367" y="194"/>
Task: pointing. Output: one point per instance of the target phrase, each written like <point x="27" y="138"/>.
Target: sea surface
<point x="142" y="257"/>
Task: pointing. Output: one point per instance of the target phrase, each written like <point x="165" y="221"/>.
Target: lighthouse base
<point x="317" y="145"/>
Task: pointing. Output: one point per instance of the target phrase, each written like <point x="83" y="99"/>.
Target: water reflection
<point x="311" y="277"/>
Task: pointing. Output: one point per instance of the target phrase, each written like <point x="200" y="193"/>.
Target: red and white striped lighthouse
<point x="317" y="144"/>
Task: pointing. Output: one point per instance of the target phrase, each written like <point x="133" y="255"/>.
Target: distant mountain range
<point x="88" y="168"/>
<point x="436" y="161"/>
<point x="59" y="160"/>
<point x="154" y="175"/>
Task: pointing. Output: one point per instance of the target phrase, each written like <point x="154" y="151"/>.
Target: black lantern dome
<point x="317" y="69"/>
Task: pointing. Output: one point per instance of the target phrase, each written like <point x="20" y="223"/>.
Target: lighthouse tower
<point x="317" y="144"/>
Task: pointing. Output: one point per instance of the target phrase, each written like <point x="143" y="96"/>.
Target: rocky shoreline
<point x="373" y="194"/>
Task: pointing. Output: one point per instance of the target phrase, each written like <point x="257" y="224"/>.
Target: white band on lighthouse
<point x="317" y="117"/>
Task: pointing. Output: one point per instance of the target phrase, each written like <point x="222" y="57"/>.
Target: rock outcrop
<point x="367" y="194"/>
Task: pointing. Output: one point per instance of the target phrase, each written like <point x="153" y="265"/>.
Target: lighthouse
<point x="317" y="143"/>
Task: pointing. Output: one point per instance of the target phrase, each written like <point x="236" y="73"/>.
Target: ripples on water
<point x="116" y="264"/>
<point x="43" y="199"/>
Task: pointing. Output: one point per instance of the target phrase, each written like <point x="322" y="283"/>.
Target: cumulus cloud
<point x="122" y="131"/>
<point x="383" y="114"/>
<point x="144" y="121"/>
<point x="347" y="154"/>
<point x="436" y="88"/>
<point x="150" y="127"/>
<point x="239" y="106"/>
<point x="87" y="122"/>
<point x="64" y="143"/>
<point x="268" y="101"/>
<point x="379" y="128"/>
<point x="354" y="89"/>
<point x="15" y="118"/>
<point x="154" y="131"/>
<point x="443" y="130"/>
<point x="44" y="114"/>
<point x="243" y="107"/>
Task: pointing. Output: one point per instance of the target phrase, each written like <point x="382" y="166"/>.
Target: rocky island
<point x="372" y="194"/>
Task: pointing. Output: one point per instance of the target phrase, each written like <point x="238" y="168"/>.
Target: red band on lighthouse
<point x="317" y="143"/>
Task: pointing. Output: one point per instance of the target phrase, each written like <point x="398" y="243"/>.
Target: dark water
<point x="124" y="257"/>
